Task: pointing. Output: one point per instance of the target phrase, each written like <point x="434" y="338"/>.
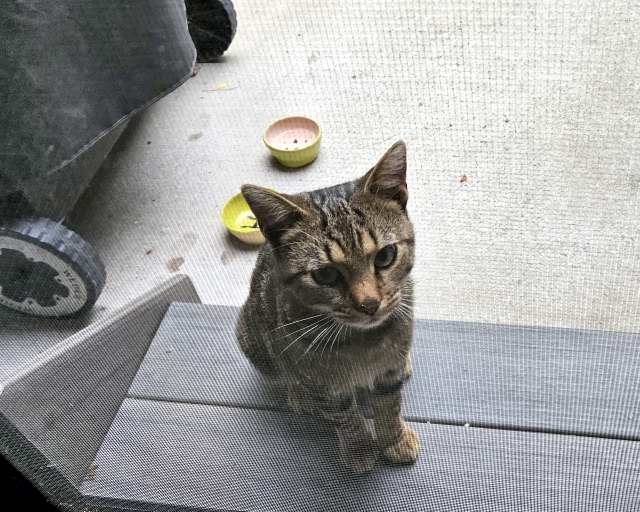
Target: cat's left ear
<point x="388" y="179"/>
<point x="275" y="212"/>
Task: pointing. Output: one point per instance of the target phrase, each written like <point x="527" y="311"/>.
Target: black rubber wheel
<point x="212" y="25"/>
<point x="46" y="269"/>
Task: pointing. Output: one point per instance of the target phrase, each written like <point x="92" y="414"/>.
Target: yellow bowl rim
<point x="303" y="148"/>
<point x="233" y="228"/>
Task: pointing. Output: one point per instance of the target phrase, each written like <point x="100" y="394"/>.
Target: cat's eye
<point x="326" y="276"/>
<point x="385" y="257"/>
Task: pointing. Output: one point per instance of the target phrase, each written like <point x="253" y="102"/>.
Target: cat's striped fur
<point x="328" y="314"/>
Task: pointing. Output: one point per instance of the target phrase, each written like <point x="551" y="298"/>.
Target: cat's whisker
<point x="323" y="337"/>
<point x="292" y="243"/>
<point x="340" y="327"/>
<point x="399" y="308"/>
<point x="316" y="325"/>
<point x="316" y="340"/>
<point x="336" y="327"/>
<point x="407" y="317"/>
<point x="294" y="341"/>
<point x="402" y="314"/>
<point x="310" y="236"/>
<point x="315" y="322"/>
<point x="405" y="302"/>
<point x="300" y="320"/>
<point x="329" y="335"/>
<point x="335" y="337"/>
<point x="403" y="309"/>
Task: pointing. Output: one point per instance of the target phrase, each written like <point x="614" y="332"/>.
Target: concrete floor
<point x="522" y="122"/>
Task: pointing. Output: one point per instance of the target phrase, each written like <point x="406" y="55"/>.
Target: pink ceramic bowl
<point x="294" y="141"/>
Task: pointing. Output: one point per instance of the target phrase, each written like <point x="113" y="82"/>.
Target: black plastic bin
<point x="72" y="73"/>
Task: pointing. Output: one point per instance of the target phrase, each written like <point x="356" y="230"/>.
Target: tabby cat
<point x="329" y="311"/>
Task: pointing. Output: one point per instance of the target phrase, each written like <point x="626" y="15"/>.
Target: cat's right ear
<point x="388" y="178"/>
<point x="274" y="212"/>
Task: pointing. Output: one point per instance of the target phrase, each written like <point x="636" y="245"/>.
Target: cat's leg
<point x="357" y="446"/>
<point x="365" y="402"/>
<point x="399" y="443"/>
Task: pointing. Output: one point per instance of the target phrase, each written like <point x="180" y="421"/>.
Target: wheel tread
<point x="66" y="243"/>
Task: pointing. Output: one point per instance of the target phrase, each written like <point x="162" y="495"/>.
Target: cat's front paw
<point x="360" y="453"/>
<point x="405" y="450"/>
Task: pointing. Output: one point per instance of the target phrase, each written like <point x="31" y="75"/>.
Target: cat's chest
<point x="374" y="351"/>
<point x="361" y="362"/>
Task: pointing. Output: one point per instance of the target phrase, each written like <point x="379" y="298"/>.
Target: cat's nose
<point x="369" y="306"/>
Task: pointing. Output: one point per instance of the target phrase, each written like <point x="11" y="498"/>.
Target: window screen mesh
<point x="521" y="121"/>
